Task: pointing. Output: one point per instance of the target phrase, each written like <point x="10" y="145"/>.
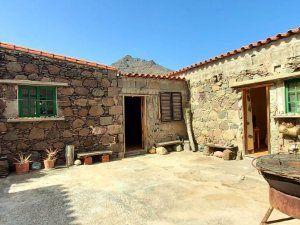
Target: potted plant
<point x="51" y="157"/>
<point x="22" y="164"/>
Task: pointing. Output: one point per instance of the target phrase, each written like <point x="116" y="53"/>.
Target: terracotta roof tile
<point x="55" y="56"/>
<point x="165" y="77"/>
<point x="236" y="51"/>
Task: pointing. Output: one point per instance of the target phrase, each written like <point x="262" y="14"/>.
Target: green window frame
<point x="37" y="101"/>
<point x="292" y="96"/>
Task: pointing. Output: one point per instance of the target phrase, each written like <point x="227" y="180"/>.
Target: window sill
<point x="34" y="119"/>
<point x="287" y="116"/>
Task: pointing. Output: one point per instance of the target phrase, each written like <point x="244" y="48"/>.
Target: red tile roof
<point x="55" y="56"/>
<point x="136" y="75"/>
<point x="236" y="51"/>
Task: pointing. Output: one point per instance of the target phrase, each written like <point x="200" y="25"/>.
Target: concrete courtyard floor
<point x="179" y="188"/>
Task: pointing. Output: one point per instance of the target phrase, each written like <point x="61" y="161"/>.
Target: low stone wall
<point x="217" y="108"/>
<point x="91" y="106"/>
<point x="156" y="130"/>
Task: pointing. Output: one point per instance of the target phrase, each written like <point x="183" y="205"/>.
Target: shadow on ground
<point x="47" y="205"/>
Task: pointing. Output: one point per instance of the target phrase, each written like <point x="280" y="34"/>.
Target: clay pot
<point x="49" y="164"/>
<point x="22" y="168"/>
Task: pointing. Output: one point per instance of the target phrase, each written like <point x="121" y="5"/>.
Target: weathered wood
<point x="168" y="143"/>
<point x="87" y="154"/>
<point x="211" y="145"/>
<point x="187" y="118"/>
<point x="264" y="80"/>
<point x="31" y="82"/>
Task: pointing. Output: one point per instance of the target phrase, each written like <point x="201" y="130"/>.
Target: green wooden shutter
<point x="292" y="96"/>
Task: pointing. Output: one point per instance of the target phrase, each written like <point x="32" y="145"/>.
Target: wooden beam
<point x="264" y="80"/>
<point x="33" y="83"/>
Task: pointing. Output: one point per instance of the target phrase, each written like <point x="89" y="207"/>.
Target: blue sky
<point x="171" y="32"/>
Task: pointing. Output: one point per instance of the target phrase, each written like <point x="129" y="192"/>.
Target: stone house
<point x="48" y="100"/>
<point x="245" y="96"/>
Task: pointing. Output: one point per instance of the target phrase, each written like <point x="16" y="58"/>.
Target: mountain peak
<point x="129" y="64"/>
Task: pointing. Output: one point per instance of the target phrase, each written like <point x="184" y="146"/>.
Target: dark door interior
<point x="133" y="123"/>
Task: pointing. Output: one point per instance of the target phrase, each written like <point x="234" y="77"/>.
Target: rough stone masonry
<point x="90" y="105"/>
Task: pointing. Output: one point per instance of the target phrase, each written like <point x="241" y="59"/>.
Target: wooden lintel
<point x="33" y="83"/>
<point x="263" y="81"/>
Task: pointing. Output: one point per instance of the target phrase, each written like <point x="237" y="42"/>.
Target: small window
<point x="170" y="106"/>
<point x="37" y="101"/>
<point x="292" y="96"/>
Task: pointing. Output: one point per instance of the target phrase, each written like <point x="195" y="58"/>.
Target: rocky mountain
<point x="128" y="64"/>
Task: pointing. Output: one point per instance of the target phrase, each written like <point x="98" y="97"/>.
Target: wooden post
<point x="188" y="123"/>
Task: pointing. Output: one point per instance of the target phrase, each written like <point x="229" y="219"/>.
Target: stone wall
<point x="217" y="108"/>
<point x="157" y="131"/>
<point x="91" y="106"/>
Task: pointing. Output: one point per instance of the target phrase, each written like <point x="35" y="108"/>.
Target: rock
<point x="90" y="82"/>
<point x="222" y="114"/>
<point x="178" y="148"/>
<point x="20" y="77"/>
<point x="84" y="132"/>
<point x="86" y="73"/>
<point x="10" y="136"/>
<point x="113" y="91"/>
<point x="66" y="90"/>
<point x="36" y="134"/>
<point x="80" y="102"/>
<point x="114" y="129"/>
<point x="108" y="101"/>
<point x="161" y="151"/>
<point x="96" y="110"/>
<point x="36" y="166"/>
<point x="54" y="70"/>
<point x="76" y="83"/>
<point x="105" y="82"/>
<point x="46" y="124"/>
<point x="97" y="92"/>
<point x="67" y="134"/>
<point x="68" y="111"/>
<point x="81" y="91"/>
<point x="31" y="68"/>
<point x="152" y="150"/>
<point x="83" y="112"/>
<point x="78" y="123"/>
<point x="77" y="162"/>
<point x="218" y="154"/>
<point x="224" y="125"/>
<point x="106" y="120"/>
<point x="116" y="110"/>
<point x="98" y="130"/>
<point x="228" y="154"/>
<point x="3" y="127"/>
<point x="13" y="67"/>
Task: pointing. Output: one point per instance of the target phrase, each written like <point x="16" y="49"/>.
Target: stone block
<point x="67" y="134"/>
<point x="108" y="101"/>
<point x="116" y="110"/>
<point x="10" y="136"/>
<point x="107" y="120"/>
<point x="80" y="102"/>
<point x="90" y="82"/>
<point x="3" y="127"/>
<point x="97" y="92"/>
<point x="66" y="90"/>
<point x="68" y="111"/>
<point x="31" y="68"/>
<point x="114" y="129"/>
<point x="96" y="110"/>
<point x="84" y="132"/>
<point x="54" y="70"/>
<point x="13" y="67"/>
<point x="98" y="130"/>
<point x="78" y="123"/>
<point x="81" y="91"/>
<point x="36" y="134"/>
<point x="113" y="91"/>
<point x="105" y="82"/>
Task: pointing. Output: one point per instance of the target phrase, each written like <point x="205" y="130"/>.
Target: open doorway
<point x="133" y="123"/>
<point x="256" y="109"/>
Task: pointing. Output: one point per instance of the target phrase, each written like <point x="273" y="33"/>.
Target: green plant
<point x="22" y="158"/>
<point x="51" y="153"/>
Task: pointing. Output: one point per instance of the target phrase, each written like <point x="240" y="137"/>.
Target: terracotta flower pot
<point x="49" y="164"/>
<point x="22" y="168"/>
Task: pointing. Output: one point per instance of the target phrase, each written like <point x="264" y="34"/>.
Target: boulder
<point x="228" y="154"/>
<point x="218" y="154"/>
<point x="178" y="148"/>
<point x="161" y="151"/>
<point x="152" y="150"/>
<point x="77" y="162"/>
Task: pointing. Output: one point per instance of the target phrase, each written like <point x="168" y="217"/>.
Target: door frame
<point x="244" y="105"/>
<point x="143" y="119"/>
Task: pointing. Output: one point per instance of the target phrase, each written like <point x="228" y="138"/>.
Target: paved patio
<point x="180" y="188"/>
